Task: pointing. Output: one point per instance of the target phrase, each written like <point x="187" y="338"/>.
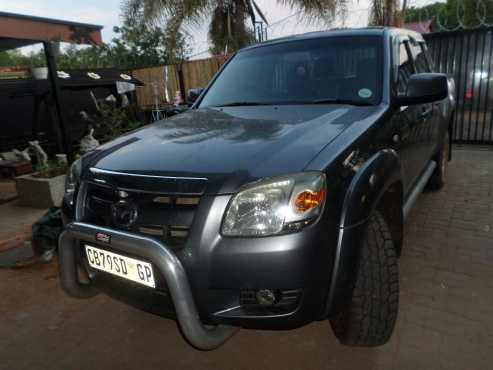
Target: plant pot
<point x="39" y="192"/>
<point x="40" y="73"/>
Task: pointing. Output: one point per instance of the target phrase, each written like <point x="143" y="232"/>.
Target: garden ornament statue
<point x="41" y="155"/>
<point x="88" y="142"/>
<point x="22" y="155"/>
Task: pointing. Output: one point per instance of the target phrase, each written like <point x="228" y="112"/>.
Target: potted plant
<point x="44" y="188"/>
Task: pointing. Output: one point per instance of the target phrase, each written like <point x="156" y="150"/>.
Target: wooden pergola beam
<point x="37" y="29"/>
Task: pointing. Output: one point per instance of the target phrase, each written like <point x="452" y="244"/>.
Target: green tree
<point x="77" y="57"/>
<point x="223" y="27"/>
<point x="12" y="58"/>
<point x="136" y="45"/>
<point x="385" y="13"/>
<point x="424" y="13"/>
<point x="228" y="29"/>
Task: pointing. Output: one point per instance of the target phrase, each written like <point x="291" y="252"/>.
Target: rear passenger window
<point x="405" y="69"/>
<point x="419" y="56"/>
<point x="426" y="51"/>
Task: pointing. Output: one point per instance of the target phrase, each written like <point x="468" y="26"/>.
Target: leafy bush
<point x="113" y="122"/>
<point x="52" y="169"/>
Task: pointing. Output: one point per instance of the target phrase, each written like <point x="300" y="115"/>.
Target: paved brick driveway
<point x="445" y="321"/>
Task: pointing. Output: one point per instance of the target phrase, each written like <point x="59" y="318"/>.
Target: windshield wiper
<point x="339" y="101"/>
<point x="241" y="104"/>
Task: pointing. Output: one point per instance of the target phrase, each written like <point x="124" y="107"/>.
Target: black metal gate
<point x="467" y="55"/>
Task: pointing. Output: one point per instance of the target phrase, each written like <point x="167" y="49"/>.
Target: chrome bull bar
<point x="195" y="332"/>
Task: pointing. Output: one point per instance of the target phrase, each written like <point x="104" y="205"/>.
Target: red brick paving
<point x="16" y="221"/>
<point x="5" y="245"/>
<point x="7" y="190"/>
<point x="445" y="320"/>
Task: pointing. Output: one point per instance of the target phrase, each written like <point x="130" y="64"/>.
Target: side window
<point x="404" y="69"/>
<point x="419" y="57"/>
<point x="429" y="59"/>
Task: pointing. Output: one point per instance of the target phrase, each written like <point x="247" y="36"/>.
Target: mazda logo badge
<point x="124" y="213"/>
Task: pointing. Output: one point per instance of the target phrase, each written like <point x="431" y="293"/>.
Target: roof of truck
<point x="375" y="31"/>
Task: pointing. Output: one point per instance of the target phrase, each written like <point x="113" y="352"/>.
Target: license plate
<point x="125" y="267"/>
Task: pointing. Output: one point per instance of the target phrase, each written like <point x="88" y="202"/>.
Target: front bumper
<point x="199" y="335"/>
<point x="219" y="270"/>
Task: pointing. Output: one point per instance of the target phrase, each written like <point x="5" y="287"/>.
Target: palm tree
<point x="228" y="29"/>
<point x="387" y="13"/>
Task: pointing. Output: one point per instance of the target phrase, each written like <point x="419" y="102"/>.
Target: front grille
<point x="167" y="217"/>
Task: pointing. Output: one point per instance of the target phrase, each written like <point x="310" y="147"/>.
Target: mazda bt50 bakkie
<point x="277" y="200"/>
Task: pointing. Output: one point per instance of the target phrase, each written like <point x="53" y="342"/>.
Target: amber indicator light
<point x="307" y="200"/>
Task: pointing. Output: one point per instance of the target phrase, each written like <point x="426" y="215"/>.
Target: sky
<point x="107" y="14"/>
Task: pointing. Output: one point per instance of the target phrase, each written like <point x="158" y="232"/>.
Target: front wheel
<point x="369" y="319"/>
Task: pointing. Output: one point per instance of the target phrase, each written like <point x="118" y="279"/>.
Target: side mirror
<point x="193" y="95"/>
<point x="424" y="88"/>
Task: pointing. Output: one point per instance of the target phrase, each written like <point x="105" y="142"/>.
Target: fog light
<point x="266" y="297"/>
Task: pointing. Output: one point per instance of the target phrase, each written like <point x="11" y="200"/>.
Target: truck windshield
<point x="331" y="70"/>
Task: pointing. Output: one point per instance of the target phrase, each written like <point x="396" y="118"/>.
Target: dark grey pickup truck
<point x="277" y="200"/>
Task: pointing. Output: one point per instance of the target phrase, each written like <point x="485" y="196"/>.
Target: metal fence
<point x="467" y="55"/>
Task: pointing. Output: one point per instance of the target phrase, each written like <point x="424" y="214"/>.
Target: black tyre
<point x="437" y="179"/>
<point x="369" y="319"/>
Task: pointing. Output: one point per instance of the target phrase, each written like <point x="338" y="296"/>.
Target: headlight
<point x="276" y="205"/>
<point x="72" y="179"/>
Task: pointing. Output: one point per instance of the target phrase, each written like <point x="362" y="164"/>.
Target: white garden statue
<point x="41" y="155"/>
<point x="22" y="155"/>
<point x="88" y="142"/>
